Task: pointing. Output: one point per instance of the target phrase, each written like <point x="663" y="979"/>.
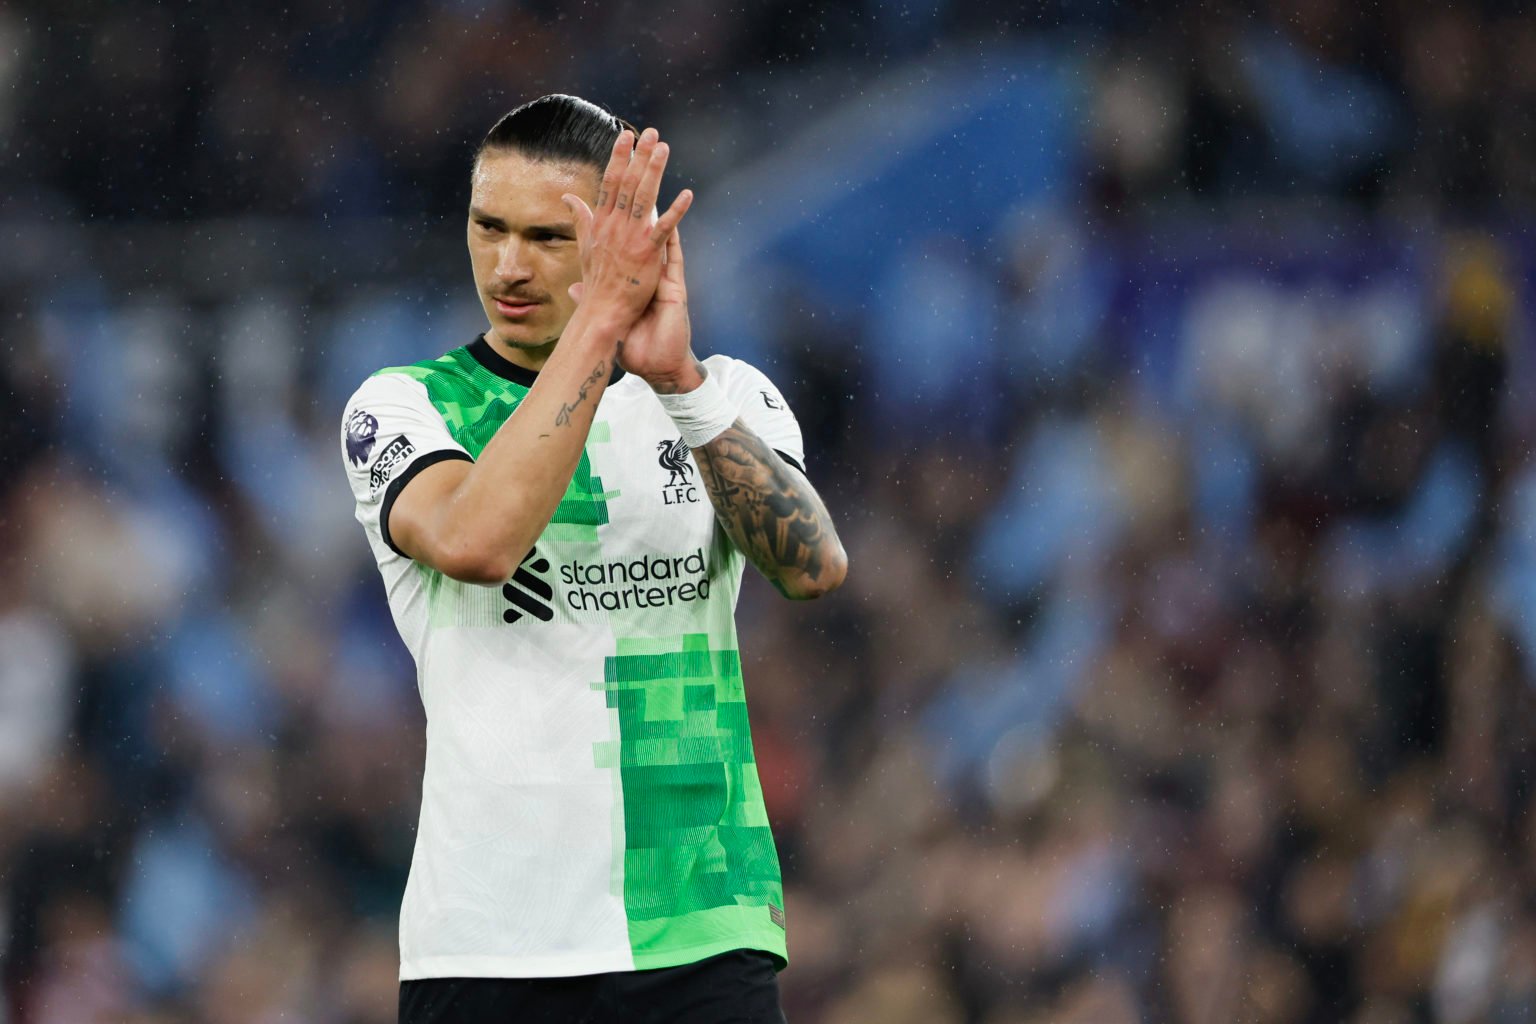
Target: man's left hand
<point x="658" y="346"/>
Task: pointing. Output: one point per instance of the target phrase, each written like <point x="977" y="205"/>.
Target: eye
<point x="488" y="227"/>
<point x="550" y="236"/>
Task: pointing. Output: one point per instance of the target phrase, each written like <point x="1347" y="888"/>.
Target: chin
<point x="519" y="336"/>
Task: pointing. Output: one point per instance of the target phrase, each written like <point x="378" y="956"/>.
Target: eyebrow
<point x="562" y="228"/>
<point x="475" y="213"/>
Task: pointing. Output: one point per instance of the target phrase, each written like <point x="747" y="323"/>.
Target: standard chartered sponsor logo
<point x="635" y="582"/>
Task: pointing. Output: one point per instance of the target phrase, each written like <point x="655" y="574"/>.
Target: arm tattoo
<point x="771" y="512"/>
<point x="563" y="417"/>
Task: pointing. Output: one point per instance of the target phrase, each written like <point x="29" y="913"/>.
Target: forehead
<point x="510" y="185"/>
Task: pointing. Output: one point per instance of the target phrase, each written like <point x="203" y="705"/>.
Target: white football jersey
<point x="590" y="800"/>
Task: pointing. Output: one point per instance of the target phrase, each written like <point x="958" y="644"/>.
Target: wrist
<point x="700" y="415"/>
<point x="599" y="324"/>
<point x="689" y="377"/>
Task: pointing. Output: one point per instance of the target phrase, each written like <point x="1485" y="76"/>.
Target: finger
<point x="672" y="278"/>
<point x="637" y="164"/>
<point x="649" y="186"/>
<point x="576" y="290"/>
<point x="625" y="197"/>
<point x="618" y="162"/>
<point x="581" y="213"/>
<point x="667" y="223"/>
<point x="674" y="257"/>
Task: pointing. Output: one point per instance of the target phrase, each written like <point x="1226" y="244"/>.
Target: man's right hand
<point x="621" y="245"/>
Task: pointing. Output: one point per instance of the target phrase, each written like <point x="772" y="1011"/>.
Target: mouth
<point x="515" y="306"/>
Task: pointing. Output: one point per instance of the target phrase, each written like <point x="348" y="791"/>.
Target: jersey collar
<point x="501" y="366"/>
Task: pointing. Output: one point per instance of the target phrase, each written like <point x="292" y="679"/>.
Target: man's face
<point x="522" y="246"/>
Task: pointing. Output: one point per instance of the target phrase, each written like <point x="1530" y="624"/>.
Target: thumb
<point x="576" y="290"/>
<point x="581" y="211"/>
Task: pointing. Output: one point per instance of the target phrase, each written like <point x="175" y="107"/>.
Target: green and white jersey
<point x="590" y="801"/>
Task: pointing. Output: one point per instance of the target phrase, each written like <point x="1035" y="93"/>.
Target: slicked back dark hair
<point x="557" y="128"/>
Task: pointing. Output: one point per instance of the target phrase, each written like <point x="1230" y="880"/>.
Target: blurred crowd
<point x="1184" y="672"/>
<point x="358" y="108"/>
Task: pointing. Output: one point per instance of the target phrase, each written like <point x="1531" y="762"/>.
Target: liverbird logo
<point x="674" y="459"/>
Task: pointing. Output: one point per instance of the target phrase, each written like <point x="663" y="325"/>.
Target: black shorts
<point x="739" y="987"/>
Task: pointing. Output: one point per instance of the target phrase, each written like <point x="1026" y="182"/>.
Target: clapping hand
<point x="623" y="244"/>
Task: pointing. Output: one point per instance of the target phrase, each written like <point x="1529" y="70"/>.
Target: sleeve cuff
<point x="398" y="484"/>
<point x="787" y="458"/>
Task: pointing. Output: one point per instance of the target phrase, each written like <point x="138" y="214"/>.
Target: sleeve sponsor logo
<point x="362" y="431"/>
<point x="389" y="460"/>
<point x="770" y="401"/>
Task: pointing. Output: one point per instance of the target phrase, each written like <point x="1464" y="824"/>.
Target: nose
<point x="511" y="261"/>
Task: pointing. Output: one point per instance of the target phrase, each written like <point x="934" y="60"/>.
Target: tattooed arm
<point x="767" y="507"/>
<point x="772" y="513"/>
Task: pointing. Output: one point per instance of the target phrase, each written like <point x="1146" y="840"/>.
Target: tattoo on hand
<point x="602" y="197"/>
<point x="769" y="511"/>
<point x="563" y="417"/>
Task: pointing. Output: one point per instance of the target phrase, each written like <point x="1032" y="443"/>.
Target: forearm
<point x="506" y="499"/>
<point x="772" y="513"/>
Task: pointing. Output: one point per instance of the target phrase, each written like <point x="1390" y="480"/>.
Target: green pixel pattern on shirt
<point x="474" y="403"/>
<point x="699" y="863"/>
<point x="699" y="859"/>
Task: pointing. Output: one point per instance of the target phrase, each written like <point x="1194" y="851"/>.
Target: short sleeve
<point x="389" y="433"/>
<point x="761" y="406"/>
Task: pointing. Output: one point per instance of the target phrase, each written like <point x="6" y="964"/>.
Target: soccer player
<point x="562" y="510"/>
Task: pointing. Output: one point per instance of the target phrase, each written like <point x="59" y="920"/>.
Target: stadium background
<point x="1166" y="369"/>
